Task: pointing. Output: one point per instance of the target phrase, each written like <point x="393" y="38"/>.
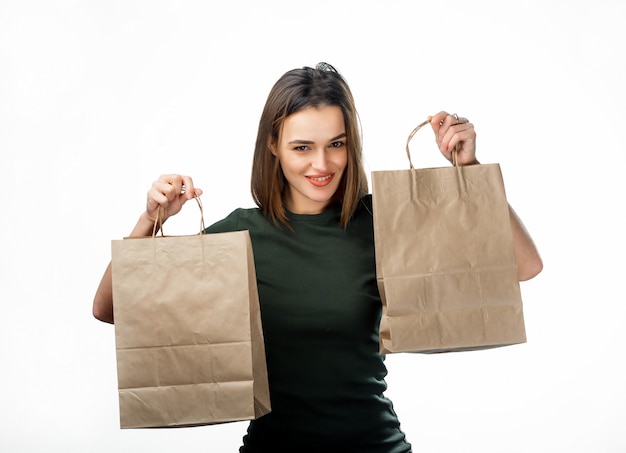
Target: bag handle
<point x="161" y="213"/>
<point x="417" y="128"/>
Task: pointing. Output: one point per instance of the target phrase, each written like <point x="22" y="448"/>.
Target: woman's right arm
<point x="169" y="192"/>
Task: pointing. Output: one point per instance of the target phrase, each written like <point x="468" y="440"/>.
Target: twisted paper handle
<point x="161" y="213"/>
<point x="417" y="128"/>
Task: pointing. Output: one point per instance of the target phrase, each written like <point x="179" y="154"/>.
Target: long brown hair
<point x="294" y="91"/>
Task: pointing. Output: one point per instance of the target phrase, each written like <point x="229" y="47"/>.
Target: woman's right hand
<point x="169" y="192"/>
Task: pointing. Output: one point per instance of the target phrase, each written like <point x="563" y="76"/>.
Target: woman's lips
<point x="320" y="180"/>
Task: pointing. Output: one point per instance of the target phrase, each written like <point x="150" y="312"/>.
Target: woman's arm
<point x="168" y="193"/>
<point x="103" y="301"/>
<point x="529" y="263"/>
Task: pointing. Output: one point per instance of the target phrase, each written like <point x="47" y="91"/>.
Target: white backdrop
<point x="97" y="98"/>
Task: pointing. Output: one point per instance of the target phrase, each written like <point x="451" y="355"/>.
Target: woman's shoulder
<point x="363" y="217"/>
<point x="365" y="206"/>
<point x="366" y="201"/>
<point x="238" y="220"/>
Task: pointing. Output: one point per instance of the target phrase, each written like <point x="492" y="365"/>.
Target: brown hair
<point x="294" y="91"/>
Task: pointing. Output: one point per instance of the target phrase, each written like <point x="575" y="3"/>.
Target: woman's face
<point x="313" y="156"/>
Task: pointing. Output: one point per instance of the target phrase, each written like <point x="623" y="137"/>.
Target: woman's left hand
<point x="452" y="132"/>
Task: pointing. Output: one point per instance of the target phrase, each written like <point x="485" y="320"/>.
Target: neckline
<point x="331" y="211"/>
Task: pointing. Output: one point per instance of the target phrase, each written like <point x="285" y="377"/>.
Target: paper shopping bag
<point x="188" y="331"/>
<point x="445" y="261"/>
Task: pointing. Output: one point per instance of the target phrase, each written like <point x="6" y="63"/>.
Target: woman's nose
<point x="320" y="160"/>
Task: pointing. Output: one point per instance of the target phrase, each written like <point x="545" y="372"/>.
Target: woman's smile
<point x="321" y="181"/>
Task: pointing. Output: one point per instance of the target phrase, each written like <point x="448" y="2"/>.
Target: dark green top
<point x="320" y="310"/>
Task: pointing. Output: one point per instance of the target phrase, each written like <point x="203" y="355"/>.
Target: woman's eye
<point x="301" y="148"/>
<point x="337" y="144"/>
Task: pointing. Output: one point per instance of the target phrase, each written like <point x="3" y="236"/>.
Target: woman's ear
<point x="271" y="144"/>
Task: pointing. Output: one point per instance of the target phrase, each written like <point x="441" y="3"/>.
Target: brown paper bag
<point x="188" y="331"/>
<point x="445" y="261"/>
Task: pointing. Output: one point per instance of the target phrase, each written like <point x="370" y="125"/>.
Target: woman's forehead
<point x="321" y="123"/>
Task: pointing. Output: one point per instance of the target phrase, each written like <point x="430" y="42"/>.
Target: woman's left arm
<point x="452" y="132"/>
<point x="529" y="263"/>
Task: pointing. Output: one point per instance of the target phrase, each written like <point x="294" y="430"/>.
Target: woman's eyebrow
<point x="342" y="135"/>
<point x="310" y="142"/>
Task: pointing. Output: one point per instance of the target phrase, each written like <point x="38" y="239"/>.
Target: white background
<point x="97" y="98"/>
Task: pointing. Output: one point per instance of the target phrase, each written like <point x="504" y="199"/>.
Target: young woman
<point x="312" y="236"/>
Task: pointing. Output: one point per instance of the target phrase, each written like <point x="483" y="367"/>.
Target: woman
<point x="312" y="236"/>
